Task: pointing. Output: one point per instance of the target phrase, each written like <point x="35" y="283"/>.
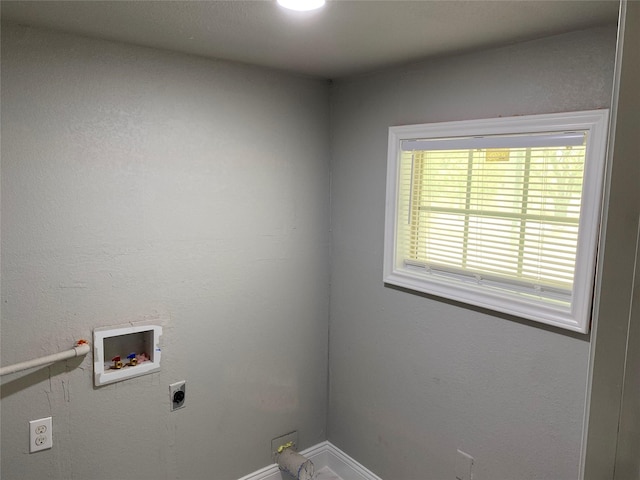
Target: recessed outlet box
<point x="464" y="466"/>
<point x="124" y="352"/>
<point x="289" y="438"/>
<point x="177" y="395"/>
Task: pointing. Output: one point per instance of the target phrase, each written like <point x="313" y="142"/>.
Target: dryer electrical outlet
<point x="177" y="394"/>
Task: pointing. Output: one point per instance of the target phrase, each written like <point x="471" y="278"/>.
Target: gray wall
<point x="139" y="184"/>
<point x="413" y="379"/>
<point x="613" y="433"/>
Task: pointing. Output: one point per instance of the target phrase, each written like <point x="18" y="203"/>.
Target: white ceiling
<point x="346" y="37"/>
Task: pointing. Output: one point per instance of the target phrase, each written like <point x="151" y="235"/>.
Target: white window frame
<point x="577" y="316"/>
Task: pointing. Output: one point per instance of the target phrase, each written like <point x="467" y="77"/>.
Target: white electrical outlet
<point x="40" y="434"/>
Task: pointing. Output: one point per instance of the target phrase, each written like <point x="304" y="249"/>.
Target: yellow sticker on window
<point x="497" y="154"/>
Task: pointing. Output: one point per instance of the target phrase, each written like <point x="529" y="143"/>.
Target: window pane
<point x="505" y="213"/>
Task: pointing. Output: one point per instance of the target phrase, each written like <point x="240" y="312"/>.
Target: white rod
<point x="496" y="141"/>
<point x="76" y="351"/>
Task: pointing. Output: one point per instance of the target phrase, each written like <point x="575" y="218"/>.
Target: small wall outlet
<point x="177" y="394"/>
<point x="464" y="466"/>
<point x="276" y="443"/>
<point x="40" y="434"/>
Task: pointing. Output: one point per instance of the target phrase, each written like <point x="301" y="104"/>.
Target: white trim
<point x="610" y="333"/>
<point x="346" y="467"/>
<point x="558" y="139"/>
<point x="322" y="455"/>
<point x="575" y="317"/>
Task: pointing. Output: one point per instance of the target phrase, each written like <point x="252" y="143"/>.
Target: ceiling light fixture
<point x="301" y="5"/>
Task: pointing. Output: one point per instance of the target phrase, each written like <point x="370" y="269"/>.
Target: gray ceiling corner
<point x="345" y="38"/>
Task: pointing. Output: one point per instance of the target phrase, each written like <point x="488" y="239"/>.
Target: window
<point x="500" y="213"/>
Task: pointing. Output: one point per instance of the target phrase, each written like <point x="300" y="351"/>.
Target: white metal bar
<point x="76" y="351"/>
<point x="560" y="139"/>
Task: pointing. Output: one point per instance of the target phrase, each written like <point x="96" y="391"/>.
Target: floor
<point x="325" y="473"/>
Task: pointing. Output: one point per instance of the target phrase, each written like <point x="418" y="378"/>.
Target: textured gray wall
<point x="412" y="378"/>
<point x="613" y="434"/>
<point x="139" y="184"/>
<point x="142" y="184"/>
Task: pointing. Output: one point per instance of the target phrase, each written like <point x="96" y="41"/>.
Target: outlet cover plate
<point x="464" y="466"/>
<point x="282" y="440"/>
<point x="40" y="434"/>
<point x="177" y="395"/>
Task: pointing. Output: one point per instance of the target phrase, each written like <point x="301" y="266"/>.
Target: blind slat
<point x="511" y="217"/>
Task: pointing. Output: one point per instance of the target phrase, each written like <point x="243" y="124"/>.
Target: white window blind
<point x="498" y="219"/>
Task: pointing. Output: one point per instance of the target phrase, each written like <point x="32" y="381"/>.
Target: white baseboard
<point x="322" y="455"/>
<point x="345" y="466"/>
